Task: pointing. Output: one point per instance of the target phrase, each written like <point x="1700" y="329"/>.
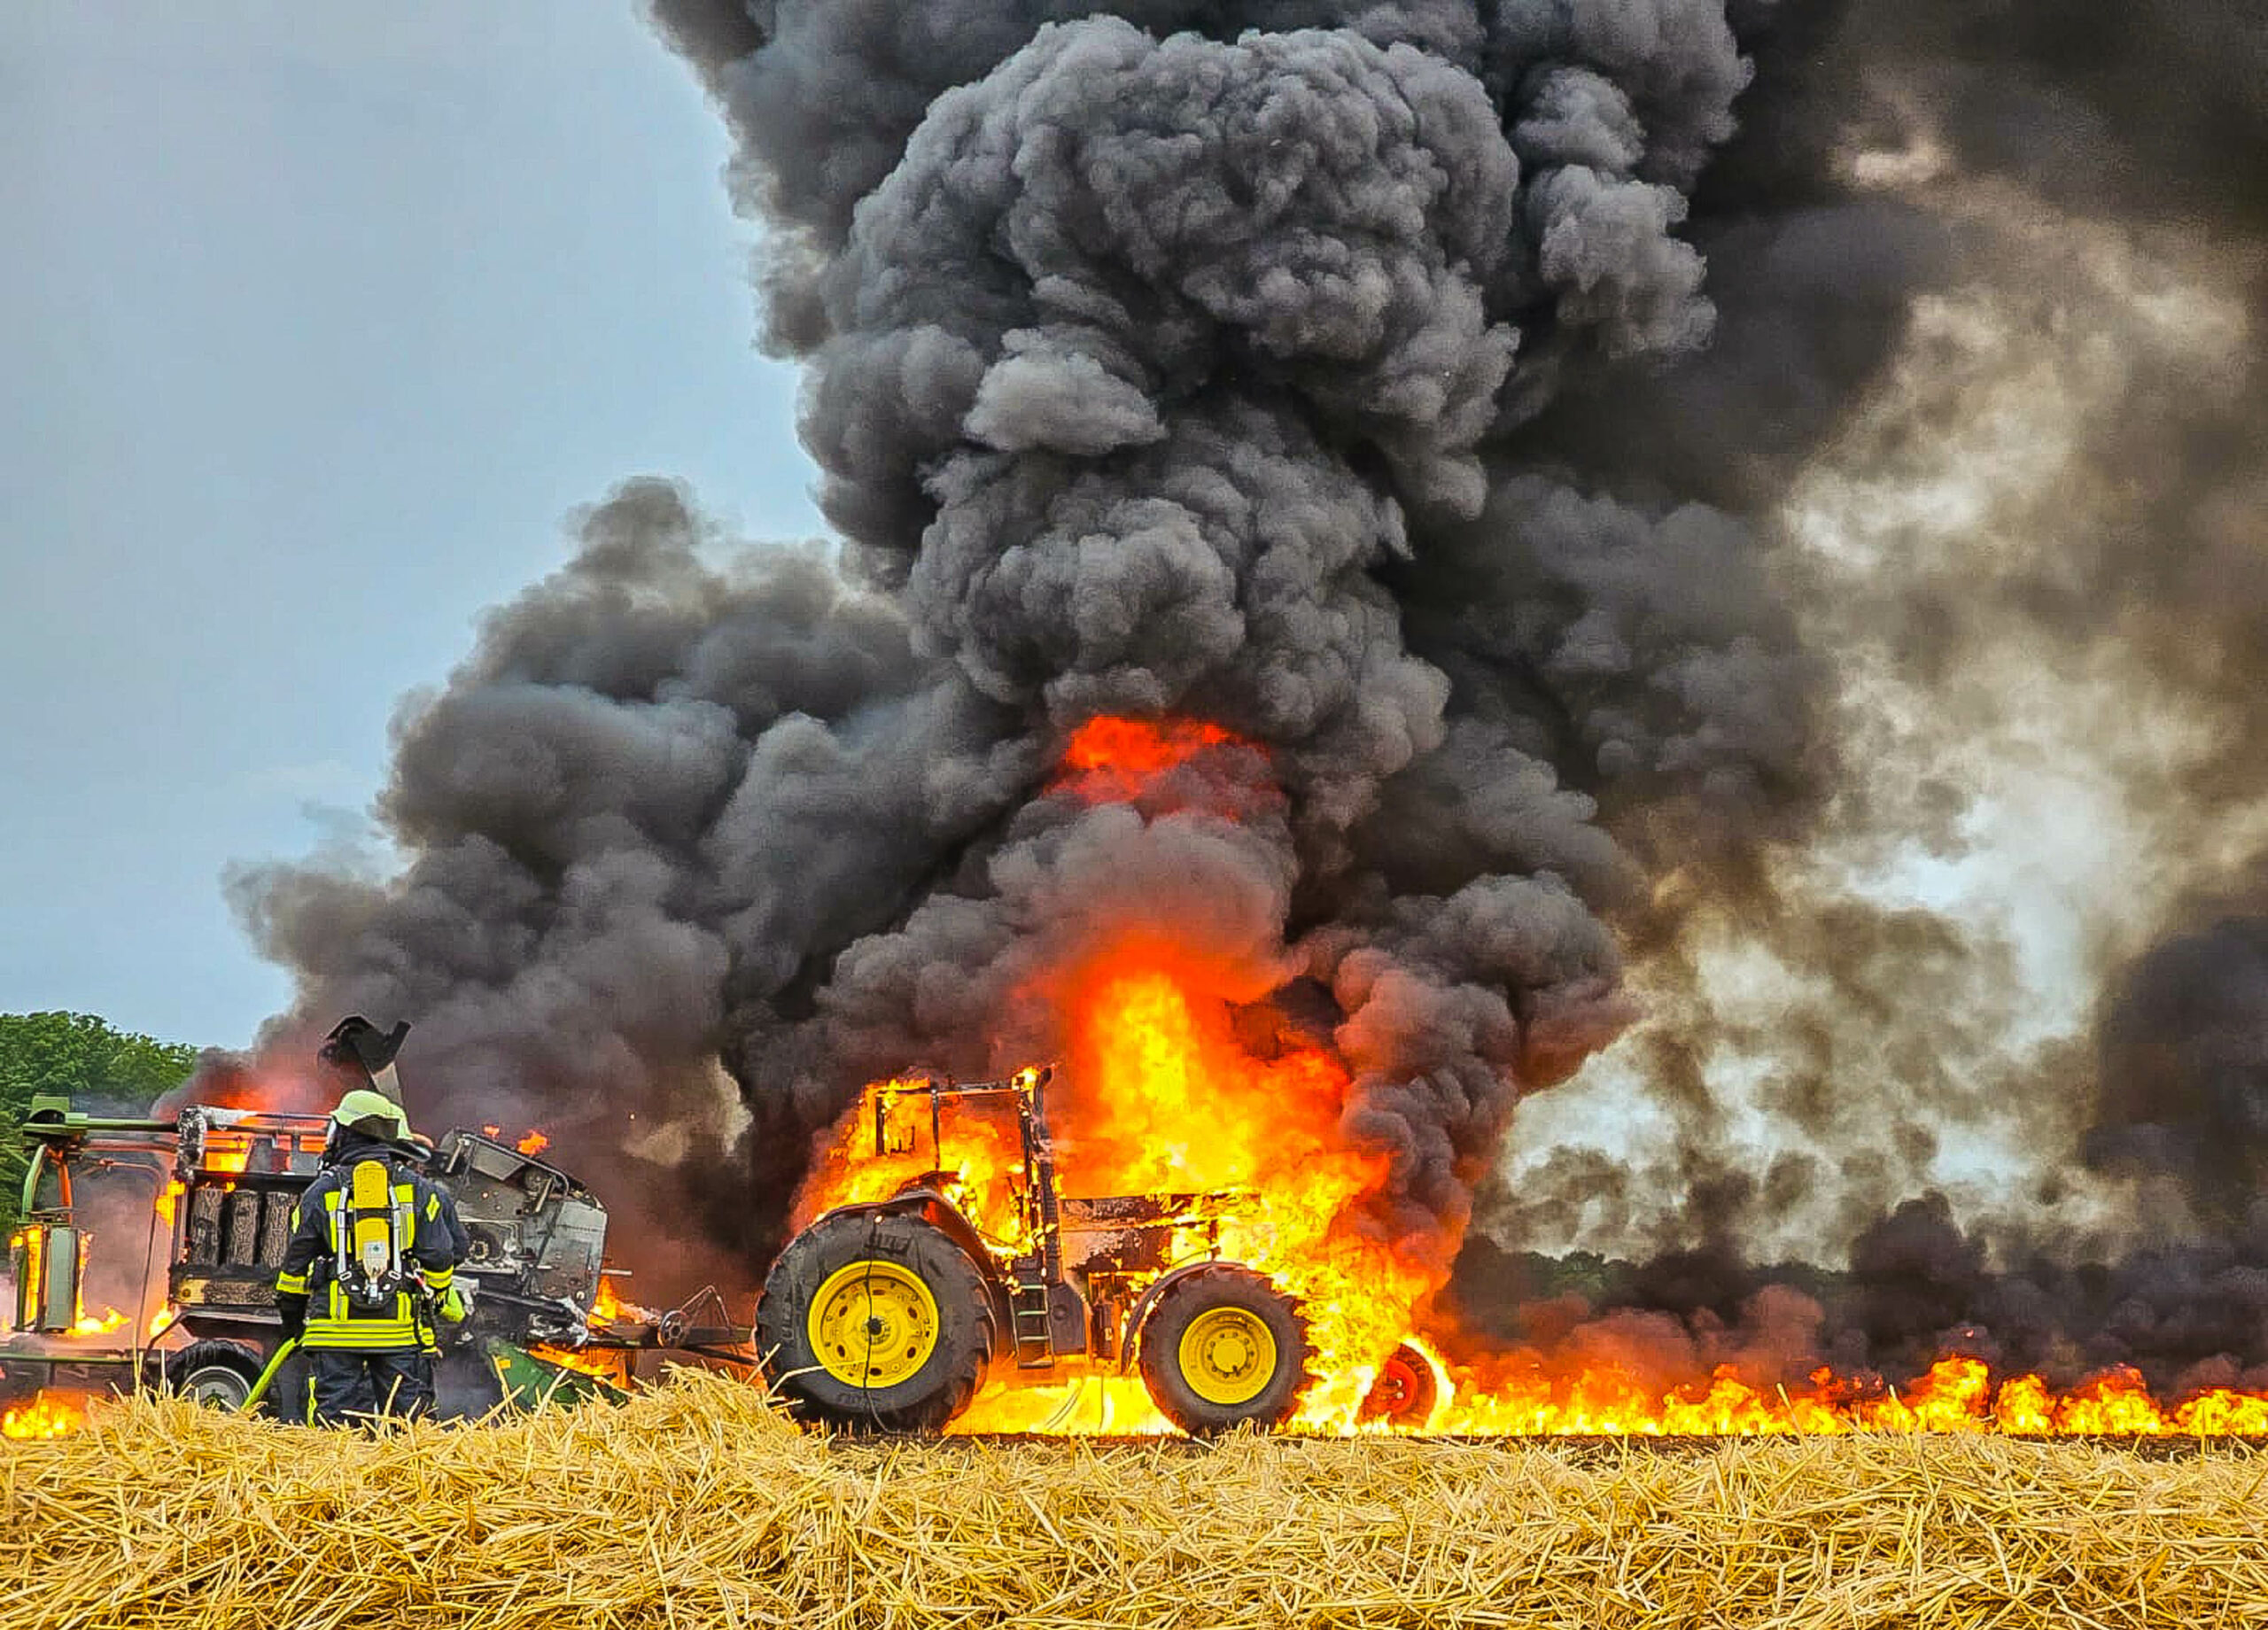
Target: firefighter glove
<point x="452" y="1308"/>
<point x="294" y="1310"/>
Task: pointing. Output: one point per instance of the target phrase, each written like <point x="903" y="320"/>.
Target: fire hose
<point x="277" y="1360"/>
<point x="267" y="1376"/>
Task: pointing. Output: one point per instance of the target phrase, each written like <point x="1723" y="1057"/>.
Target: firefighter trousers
<point x="347" y="1386"/>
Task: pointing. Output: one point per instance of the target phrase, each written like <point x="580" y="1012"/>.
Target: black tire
<point x="820" y="1386"/>
<point x="1406" y="1391"/>
<point x="1179" y="1308"/>
<point x="217" y="1373"/>
<point x="466" y="1386"/>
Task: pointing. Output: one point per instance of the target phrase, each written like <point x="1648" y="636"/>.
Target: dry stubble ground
<point x="695" y="1506"/>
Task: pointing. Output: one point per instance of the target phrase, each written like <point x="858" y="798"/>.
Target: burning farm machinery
<point x="889" y="1315"/>
<point x="191" y="1217"/>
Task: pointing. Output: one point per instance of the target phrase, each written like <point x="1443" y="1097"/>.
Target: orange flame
<point x="88" y="1324"/>
<point x="986" y="1163"/>
<point x="1167" y="1091"/>
<point x="611" y="1365"/>
<point x="216" y="1159"/>
<point x="1114" y="760"/>
<point x="534" y="1143"/>
<point x="1162" y="1097"/>
<point x="1165" y="1096"/>
<point x="48" y="1415"/>
<point x="1957" y="1394"/>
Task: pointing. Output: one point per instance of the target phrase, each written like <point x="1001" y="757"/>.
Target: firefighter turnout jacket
<point x="374" y="1245"/>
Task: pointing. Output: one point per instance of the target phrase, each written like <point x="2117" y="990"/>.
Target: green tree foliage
<point x="80" y="1055"/>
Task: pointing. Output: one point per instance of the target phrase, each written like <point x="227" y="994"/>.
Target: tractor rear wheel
<point x="1223" y="1348"/>
<point x="874" y="1323"/>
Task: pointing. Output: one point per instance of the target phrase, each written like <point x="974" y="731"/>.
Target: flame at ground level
<point x="612" y="1365"/>
<point x="48" y="1414"/>
<point x="1166" y="1092"/>
<point x="1957" y="1394"/>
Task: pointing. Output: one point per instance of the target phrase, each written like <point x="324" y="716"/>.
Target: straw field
<point x="693" y="1506"/>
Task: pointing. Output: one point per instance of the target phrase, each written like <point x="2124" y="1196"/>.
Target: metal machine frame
<point x="537" y="1236"/>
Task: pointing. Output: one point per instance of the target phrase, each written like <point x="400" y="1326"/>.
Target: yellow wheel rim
<point x="1228" y="1355"/>
<point x="872" y="1324"/>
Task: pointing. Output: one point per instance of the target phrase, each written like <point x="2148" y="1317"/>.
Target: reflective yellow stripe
<point x="364" y="1333"/>
<point x="438" y="1278"/>
<point x="433" y="1208"/>
<point x="342" y="1330"/>
<point x="292" y="1284"/>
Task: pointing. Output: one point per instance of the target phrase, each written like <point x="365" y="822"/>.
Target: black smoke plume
<point x="1172" y="362"/>
<point x="1414" y="390"/>
<point x="2083" y="227"/>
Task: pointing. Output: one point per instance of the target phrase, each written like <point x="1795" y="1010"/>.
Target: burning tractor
<point x="890" y="1314"/>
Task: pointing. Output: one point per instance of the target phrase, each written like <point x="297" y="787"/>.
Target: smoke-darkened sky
<point x="315" y="322"/>
<point x="1734" y="526"/>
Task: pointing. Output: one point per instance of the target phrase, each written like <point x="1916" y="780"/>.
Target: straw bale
<point x="695" y="1506"/>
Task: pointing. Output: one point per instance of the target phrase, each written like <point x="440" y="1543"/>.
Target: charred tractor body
<point x="191" y="1217"/>
<point x="890" y="1314"/>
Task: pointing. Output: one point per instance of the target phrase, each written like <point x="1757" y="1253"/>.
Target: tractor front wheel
<point x="874" y="1323"/>
<point x="1223" y="1348"/>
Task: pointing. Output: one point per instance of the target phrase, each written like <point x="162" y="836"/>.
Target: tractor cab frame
<point x="889" y="1313"/>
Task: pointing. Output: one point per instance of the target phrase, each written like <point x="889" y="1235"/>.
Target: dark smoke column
<point x="1165" y="359"/>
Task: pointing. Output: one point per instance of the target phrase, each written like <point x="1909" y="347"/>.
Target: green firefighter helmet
<point x="372" y="1113"/>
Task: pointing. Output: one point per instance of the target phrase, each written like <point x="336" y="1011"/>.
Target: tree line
<point x="85" y="1059"/>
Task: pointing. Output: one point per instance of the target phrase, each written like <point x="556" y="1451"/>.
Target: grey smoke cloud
<point x="2082" y="218"/>
<point x="2184" y="1068"/>
<point x="1408" y="388"/>
<point x="1164" y="358"/>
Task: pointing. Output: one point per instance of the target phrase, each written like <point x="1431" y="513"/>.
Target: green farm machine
<point x="185" y="1220"/>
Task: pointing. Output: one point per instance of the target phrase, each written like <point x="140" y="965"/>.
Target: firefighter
<point x="374" y="1248"/>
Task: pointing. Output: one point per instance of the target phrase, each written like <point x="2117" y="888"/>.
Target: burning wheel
<point x="218" y="1373"/>
<point x="1406" y="1391"/>
<point x="1224" y="1347"/>
<point x="875" y="1322"/>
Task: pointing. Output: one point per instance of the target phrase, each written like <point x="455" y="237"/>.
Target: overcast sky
<point x="314" y="323"/>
